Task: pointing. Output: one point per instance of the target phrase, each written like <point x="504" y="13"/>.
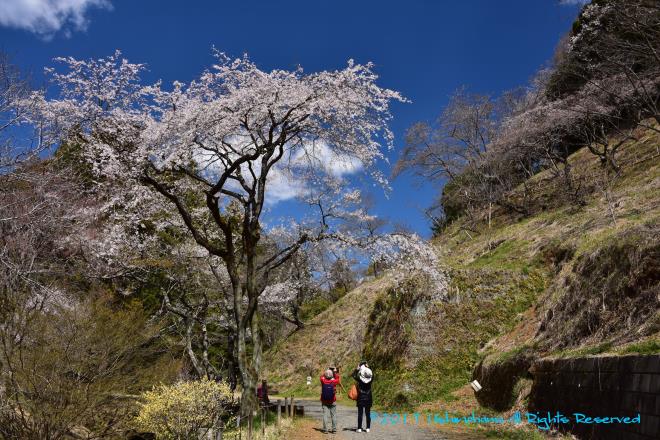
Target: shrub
<point x="76" y="366"/>
<point x="181" y="410"/>
<point x="314" y="307"/>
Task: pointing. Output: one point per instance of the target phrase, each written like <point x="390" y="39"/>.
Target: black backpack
<point x="327" y="392"/>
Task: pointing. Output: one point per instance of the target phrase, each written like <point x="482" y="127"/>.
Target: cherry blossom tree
<point x="298" y="285"/>
<point x="221" y="149"/>
<point x="459" y="138"/>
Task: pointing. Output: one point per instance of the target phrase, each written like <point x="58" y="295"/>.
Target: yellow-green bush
<point x="181" y="410"/>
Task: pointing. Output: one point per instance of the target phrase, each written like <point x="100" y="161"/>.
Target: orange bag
<point x="353" y="392"/>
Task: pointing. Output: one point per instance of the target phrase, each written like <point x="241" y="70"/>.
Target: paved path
<point x="347" y="424"/>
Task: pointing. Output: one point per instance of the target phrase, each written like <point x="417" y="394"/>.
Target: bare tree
<point x="197" y="307"/>
<point x="459" y="138"/>
<point x="458" y="148"/>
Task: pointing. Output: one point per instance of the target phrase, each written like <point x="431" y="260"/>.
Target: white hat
<point x="366" y="374"/>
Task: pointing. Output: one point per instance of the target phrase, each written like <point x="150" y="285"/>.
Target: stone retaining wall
<point x="599" y="387"/>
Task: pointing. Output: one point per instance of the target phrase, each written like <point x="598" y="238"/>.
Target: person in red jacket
<point x="329" y="380"/>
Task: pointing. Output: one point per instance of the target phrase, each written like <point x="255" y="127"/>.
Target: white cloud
<point x="47" y="17"/>
<point x="321" y="155"/>
<point x="283" y="184"/>
<point x="282" y="187"/>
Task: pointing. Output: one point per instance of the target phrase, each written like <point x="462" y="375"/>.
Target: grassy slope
<point x="334" y="337"/>
<point x="581" y="234"/>
<point x="503" y="279"/>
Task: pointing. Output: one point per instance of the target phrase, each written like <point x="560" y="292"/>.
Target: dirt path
<point x="381" y="428"/>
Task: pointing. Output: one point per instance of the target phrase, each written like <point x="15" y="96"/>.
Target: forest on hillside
<point x="142" y="267"/>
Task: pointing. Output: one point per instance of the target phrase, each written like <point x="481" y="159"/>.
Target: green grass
<point x="507" y="255"/>
<point x="506" y="356"/>
<point x="314" y="307"/>
<point x="303" y="390"/>
<point x="491" y="303"/>
<point x="651" y="346"/>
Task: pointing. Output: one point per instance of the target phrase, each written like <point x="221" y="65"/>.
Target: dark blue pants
<point x="367" y="412"/>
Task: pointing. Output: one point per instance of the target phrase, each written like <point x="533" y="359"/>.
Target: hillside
<point x="334" y="337"/>
<point x="564" y="281"/>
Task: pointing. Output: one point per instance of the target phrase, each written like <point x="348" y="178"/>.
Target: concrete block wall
<point x="600" y="387"/>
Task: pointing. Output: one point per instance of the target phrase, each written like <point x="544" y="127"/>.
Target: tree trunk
<point x="189" y="349"/>
<point x="205" y="349"/>
<point x="249" y="366"/>
<point x="490" y="213"/>
<point x="257" y="343"/>
<point x="295" y="316"/>
<point x="231" y="355"/>
<point x="248" y="376"/>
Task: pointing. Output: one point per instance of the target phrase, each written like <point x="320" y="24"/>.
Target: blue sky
<point x="424" y="49"/>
